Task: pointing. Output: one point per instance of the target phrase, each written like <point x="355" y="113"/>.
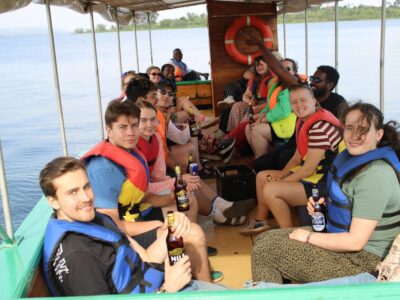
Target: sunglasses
<point x="164" y="92"/>
<point x="316" y="79"/>
<point x="155" y="74"/>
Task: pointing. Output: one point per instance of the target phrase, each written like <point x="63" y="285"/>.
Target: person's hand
<point x="192" y="182"/>
<point x="299" y="234"/>
<point x="181" y="227"/>
<point x="310" y="204"/>
<point x="178" y="275"/>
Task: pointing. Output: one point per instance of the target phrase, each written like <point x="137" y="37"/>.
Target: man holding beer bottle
<point x="119" y="176"/>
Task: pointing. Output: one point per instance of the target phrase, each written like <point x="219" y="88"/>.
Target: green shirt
<point x="373" y="192"/>
<point x="281" y="110"/>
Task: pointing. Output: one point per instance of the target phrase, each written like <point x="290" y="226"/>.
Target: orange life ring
<point x="230" y="35"/>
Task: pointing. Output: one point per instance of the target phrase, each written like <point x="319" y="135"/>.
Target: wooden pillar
<point x="220" y="17"/>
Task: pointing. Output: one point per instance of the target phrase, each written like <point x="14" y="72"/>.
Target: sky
<point x="34" y="16"/>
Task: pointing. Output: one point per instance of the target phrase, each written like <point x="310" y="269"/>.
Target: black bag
<point x="235" y="183"/>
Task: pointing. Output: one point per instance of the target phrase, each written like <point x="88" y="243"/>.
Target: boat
<point x="20" y="252"/>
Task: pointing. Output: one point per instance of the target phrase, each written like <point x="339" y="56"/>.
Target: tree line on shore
<point x="315" y="14"/>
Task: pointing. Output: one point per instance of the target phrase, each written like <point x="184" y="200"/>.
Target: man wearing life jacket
<point x="182" y="72"/>
<point x="85" y="253"/>
<point x="119" y="176"/>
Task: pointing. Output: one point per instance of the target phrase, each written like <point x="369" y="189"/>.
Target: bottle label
<point x="318" y="221"/>
<point x="194" y="129"/>
<point x="182" y="199"/>
<point x="176" y="255"/>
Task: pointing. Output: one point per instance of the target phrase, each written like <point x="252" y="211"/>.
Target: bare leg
<point x="261" y="137"/>
<point x="183" y="103"/>
<point x="249" y="132"/>
<point x="179" y="155"/>
<point x="196" y="249"/>
<point x="205" y="195"/>
<point x="280" y="196"/>
<point x="261" y="180"/>
<point x="192" y="213"/>
<point x="181" y="116"/>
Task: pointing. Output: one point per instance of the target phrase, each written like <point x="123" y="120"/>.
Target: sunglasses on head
<point x="123" y="75"/>
<point x="155" y="74"/>
<point x="316" y="79"/>
<point x="164" y="92"/>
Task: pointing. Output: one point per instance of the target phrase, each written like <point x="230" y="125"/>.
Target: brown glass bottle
<point x="251" y="114"/>
<point x="175" y="246"/>
<point x="190" y="161"/>
<point x="181" y="196"/>
<point x="194" y="129"/>
<point x="318" y="220"/>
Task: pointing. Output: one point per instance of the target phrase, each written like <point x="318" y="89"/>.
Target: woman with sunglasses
<point x="362" y="211"/>
<point x="154" y="73"/>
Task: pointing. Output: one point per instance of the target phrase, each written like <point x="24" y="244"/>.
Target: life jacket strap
<point x="338" y="225"/>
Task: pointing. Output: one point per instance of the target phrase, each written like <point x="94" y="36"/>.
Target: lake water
<point x="29" y="128"/>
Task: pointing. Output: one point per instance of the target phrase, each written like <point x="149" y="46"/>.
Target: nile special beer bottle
<point x="194" y="129"/>
<point x="318" y="222"/>
<point x="174" y="245"/>
<point x="190" y="161"/>
<point x="181" y="196"/>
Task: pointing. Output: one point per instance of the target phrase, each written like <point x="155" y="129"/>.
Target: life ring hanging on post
<point x="230" y="34"/>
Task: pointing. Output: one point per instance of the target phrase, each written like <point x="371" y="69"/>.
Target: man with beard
<point x="323" y="82"/>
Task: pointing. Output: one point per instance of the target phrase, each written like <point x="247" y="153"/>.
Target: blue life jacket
<point x="129" y="274"/>
<point x="339" y="205"/>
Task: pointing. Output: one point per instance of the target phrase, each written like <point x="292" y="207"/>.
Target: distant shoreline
<point x="314" y="15"/>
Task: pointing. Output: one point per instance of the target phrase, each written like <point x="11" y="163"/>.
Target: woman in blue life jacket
<point x="363" y="207"/>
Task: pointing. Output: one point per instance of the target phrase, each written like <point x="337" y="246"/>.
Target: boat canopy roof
<point x="126" y="10"/>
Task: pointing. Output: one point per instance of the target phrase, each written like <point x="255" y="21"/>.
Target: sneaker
<point x="211" y="251"/>
<point x="240" y="208"/>
<point x="391" y="262"/>
<point x="226" y="103"/>
<point x="255" y="227"/>
<point x="225" y="145"/>
<point x="230" y="156"/>
<point x="236" y="221"/>
<point x="208" y="122"/>
<point x="216" y="276"/>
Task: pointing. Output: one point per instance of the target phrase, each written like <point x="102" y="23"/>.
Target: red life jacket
<point x="302" y="128"/>
<point x="149" y="149"/>
<point x="134" y="188"/>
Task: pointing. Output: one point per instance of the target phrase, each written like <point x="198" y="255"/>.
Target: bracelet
<point x="309" y="236"/>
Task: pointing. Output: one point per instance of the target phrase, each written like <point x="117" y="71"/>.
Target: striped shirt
<point x="324" y="135"/>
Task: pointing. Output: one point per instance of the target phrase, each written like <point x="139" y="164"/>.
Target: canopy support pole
<point x="56" y="79"/>
<point x="336" y="39"/>
<point x="151" y="44"/>
<point x="306" y="36"/>
<point x="96" y="65"/>
<point x="136" y="44"/>
<point x="284" y="29"/>
<point x="119" y="45"/>
<point x="382" y="58"/>
<point x="8" y="237"/>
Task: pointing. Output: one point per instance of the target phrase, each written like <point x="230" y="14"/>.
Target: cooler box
<point x="236" y="183"/>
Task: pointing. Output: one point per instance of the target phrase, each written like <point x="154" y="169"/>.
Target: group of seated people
<point x="108" y="231"/>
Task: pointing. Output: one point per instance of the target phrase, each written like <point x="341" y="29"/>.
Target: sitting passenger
<point x="317" y="139"/>
<point x="182" y="72"/>
<point x="119" y="176"/>
<point x="150" y="144"/>
<point x="154" y="74"/>
<point x="85" y="253"/>
<point x="362" y="216"/>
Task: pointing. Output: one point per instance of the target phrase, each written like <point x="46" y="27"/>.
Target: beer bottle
<point x="251" y="114"/>
<point x="181" y="196"/>
<point x="318" y="221"/>
<point x="194" y="129"/>
<point x="174" y="245"/>
<point x="190" y="161"/>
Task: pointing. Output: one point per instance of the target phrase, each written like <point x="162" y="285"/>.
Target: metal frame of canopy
<point x="107" y="8"/>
